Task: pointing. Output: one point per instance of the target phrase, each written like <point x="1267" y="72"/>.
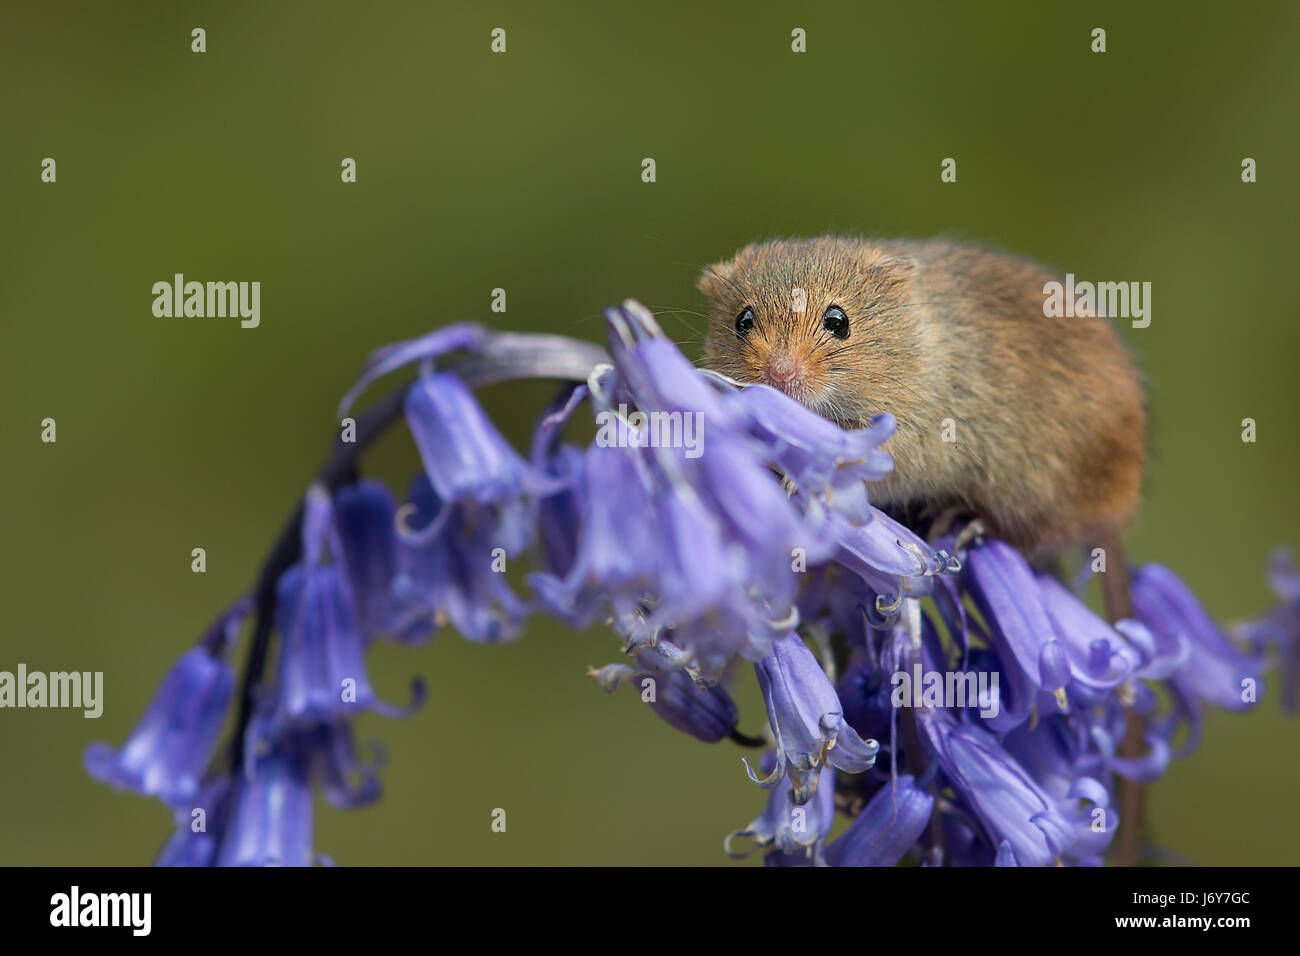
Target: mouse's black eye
<point x="836" y="322"/>
<point x="745" y="322"/>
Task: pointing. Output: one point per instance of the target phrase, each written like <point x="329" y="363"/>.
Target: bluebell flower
<point x="1219" y="673"/>
<point x="329" y="755"/>
<point x="893" y="561"/>
<point x="199" y="826"/>
<point x="469" y="463"/>
<point x="705" y="712"/>
<point x="866" y="687"/>
<point x="474" y="509"/>
<point x="653" y="372"/>
<point x="965" y="842"/>
<point x="166" y="753"/>
<point x="1017" y="693"/>
<point x="807" y="720"/>
<point x="263" y="816"/>
<point x="731" y="479"/>
<point x="1053" y="772"/>
<point x="559" y="516"/>
<point x="1006" y="800"/>
<point x="606" y="575"/>
<point x="886" y="828"/>
<point x="1096" y="654"/>
<point x="1007" y="595"/>
<point x="1279" y="629"/>
<point x="798" y="832"/>
<point x="366" y="514"/>
<point x="1158" y="657"/>
<point x="270" y="815"/>
<point x="322" y="672"/>
<point x="706" y="594"/>
<point x="687" y="571"/>
<point x="1051" y="753"/>
<point x="734" y="482"/>
<point x="815" y="454"/>
<point x="1104" y="727"/>
<point x="459" y="575"/>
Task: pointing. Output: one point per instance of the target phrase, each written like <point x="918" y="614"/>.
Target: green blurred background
<point x="523" y="171"/>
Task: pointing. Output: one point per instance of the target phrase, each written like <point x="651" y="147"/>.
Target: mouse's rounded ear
<point x="891" y="270"/>
<point x="714" y="279"/>
<point x="897" y="265"/>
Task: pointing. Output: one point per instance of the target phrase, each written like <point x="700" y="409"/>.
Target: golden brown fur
<point x="1048" y="412"/>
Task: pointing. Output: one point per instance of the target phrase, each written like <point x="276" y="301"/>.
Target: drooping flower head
<point x="711" y="525"/>
<point x="322" y="671"/>
<point x="166" y="754"/>
<point x="706" y="712"/>
<point x="807" y="720"/>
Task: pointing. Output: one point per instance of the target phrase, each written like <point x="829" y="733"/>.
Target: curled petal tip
<point x="771" y="780"/>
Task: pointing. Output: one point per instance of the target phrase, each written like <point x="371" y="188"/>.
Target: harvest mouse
<point x="1035" y="426"/>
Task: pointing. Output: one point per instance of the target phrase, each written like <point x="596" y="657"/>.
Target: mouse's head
<point x="823" y="320"/>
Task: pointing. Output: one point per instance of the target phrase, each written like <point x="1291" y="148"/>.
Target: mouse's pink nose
<point x="783" y="372"/>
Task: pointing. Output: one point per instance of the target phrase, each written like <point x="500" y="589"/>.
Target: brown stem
<point x="1127" y="848"/>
